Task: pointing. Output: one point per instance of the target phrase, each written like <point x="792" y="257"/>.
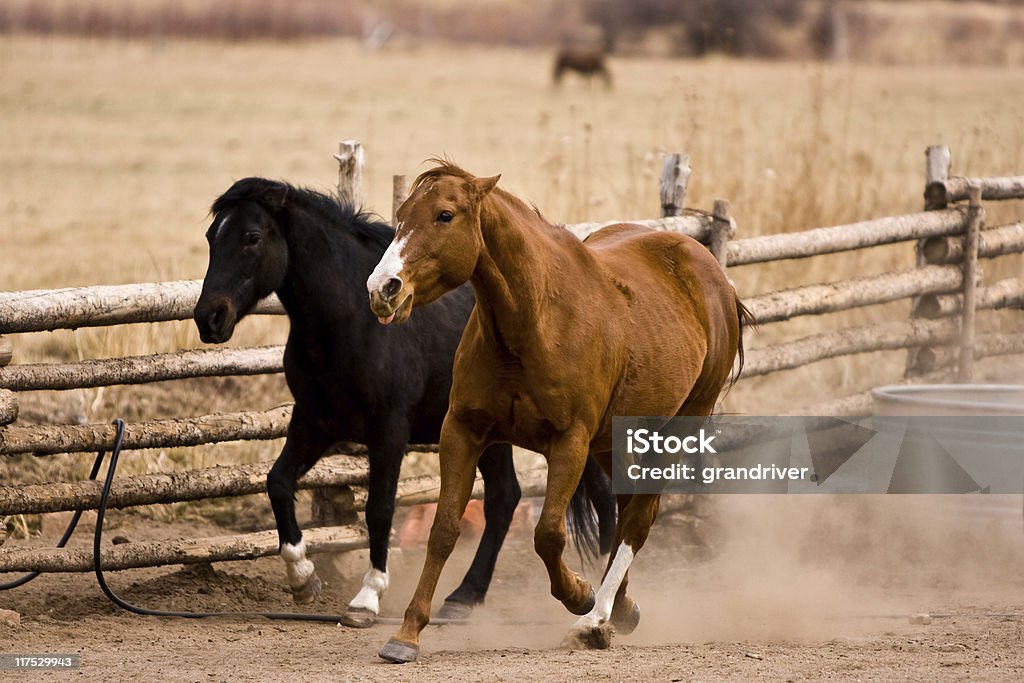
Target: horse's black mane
<point x="276" y="195"/>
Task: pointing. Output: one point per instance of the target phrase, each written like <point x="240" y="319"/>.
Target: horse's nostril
<point x="217" y="316"/>
<point x="392" y="287"/>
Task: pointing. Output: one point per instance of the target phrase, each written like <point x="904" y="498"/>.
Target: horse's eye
<point x="445" y="216"/>
<point x="251" y="238"/>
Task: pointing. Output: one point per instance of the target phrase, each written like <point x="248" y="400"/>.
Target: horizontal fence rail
<point x="1008" y="187"/>
<point x="820" y="241"/>
<point x="1000" y="241"/>
<point x="173" y="487"/>
<point x="103" y="305"/>
<point x="1006" y="293"/>
<point x="142" y="369"/>
<point x="988" y="345"/>
<point x="256" y="425"/>
<point x="887" y="336"/>
<point x="187" y="551"/>
<point x="185" y="431"/>
<point x="866" y="291"/>
<point x="211" y="482"/>
<point x="74" y="307"/>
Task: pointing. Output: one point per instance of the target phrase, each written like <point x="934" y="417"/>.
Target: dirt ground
<point x="786" y="588"/>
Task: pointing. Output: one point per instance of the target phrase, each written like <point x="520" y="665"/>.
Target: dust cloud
<point x="774" y="568"/>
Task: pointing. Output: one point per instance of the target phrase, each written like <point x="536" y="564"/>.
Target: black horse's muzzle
<point x="215" y="319"/>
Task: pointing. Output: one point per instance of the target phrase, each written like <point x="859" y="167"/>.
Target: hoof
<point x="628" y="622"/>
<point x="597" y="638"/>
<point x="308" y="592"/>
<point x="453" y="611"/>
<point x="397" y="652"/>
<point x="357" y="617"/>
<point x="585" y="607"/>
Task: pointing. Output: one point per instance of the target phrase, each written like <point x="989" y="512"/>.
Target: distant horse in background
<point x="565" y="335"/>
<point x="352" y="378"/>
<point x="586" y="61"/>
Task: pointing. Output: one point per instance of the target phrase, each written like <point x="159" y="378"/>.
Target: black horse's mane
<point x="276" y="195"/>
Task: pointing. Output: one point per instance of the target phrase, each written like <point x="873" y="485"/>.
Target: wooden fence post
<point x="399" y="191"/>
<point x="937" y="163"/>
<point x="6" y="351"/>
<point x="975" y="223"/>
<point x="675" y="174"/>
<point x="8" y="399"/>
<point x="334" y="506"/>
<point x="722" y="229"/>
<point x="351" y="159"/>
<point x="8" y="407"/>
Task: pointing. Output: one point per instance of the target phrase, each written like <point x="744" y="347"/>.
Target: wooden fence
<point x="945" y="289"/>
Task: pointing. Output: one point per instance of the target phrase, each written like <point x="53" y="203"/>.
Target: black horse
<point x="353" y="379"/>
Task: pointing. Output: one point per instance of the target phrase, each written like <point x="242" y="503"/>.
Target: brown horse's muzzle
<point x="391" y="305"/>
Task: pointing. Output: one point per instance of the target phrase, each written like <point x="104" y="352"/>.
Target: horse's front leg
<point x="459" y="451"/>
<point x="386" y="448"/>
<point x="567" y="457"/>
<point x="501" y="496"/>
<point x="303" y="447"/>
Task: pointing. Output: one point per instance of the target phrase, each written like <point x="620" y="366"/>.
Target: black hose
<point x="123" y="604"/>
<point x="22" y="580"/>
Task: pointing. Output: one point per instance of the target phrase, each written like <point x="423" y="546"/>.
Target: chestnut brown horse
<point x="564" y="335"/>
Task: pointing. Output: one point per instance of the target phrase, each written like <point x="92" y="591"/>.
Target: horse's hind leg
<point x="303" y="447"/>
<point x="501" y="496"/>
<point x="556" y="78"/>
<point x="385" y="452"/>
<point x="612" y="605"/>
<point x="566" y="461"/>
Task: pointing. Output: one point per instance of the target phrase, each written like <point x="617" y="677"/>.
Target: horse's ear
<point x="483" y="186"/>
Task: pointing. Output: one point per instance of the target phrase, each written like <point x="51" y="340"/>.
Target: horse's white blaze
<point x="220" y="226"/>
<point x="374" y="584"/>
<point x="390" y="266"/>
<point x="298" y="567"/>
<point x="602" y="610"/>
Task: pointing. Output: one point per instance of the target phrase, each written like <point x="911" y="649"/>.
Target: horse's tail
<point x="591" y="512"/>
<point x="746" y="319"/>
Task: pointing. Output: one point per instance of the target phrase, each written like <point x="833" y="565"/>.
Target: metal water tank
<point x="978" y="414"/>
<point x="949" y="399"/>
